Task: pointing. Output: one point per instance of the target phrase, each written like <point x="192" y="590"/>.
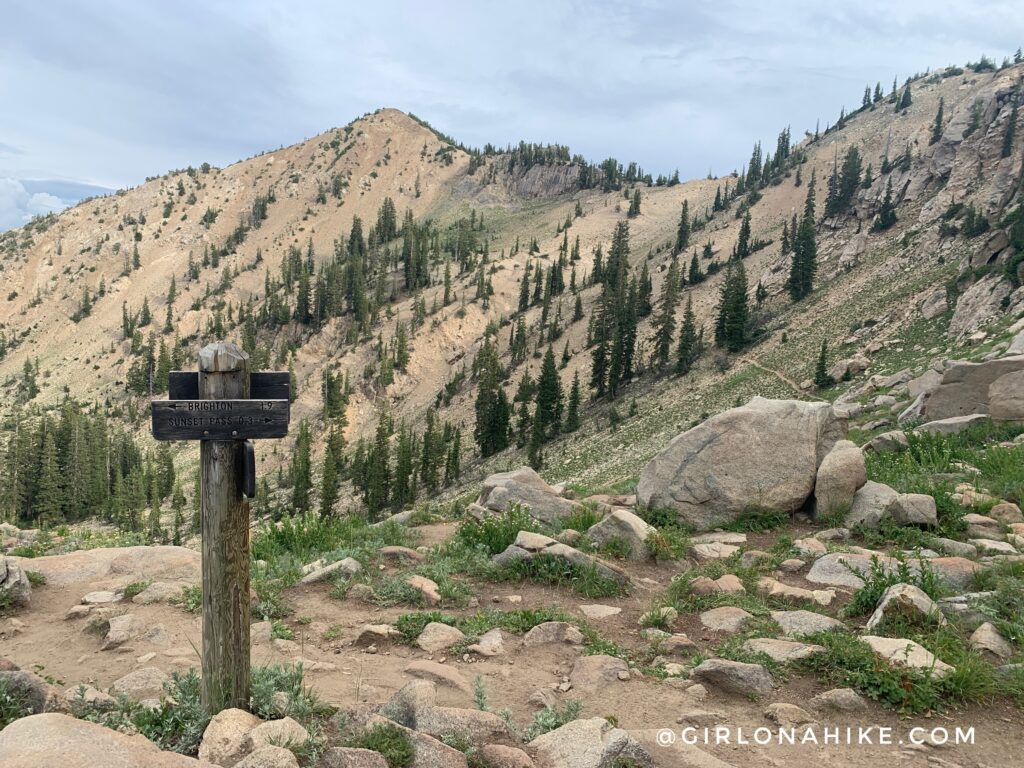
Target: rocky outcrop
<point x="527" y="489"/>
<point x="15" y="588"/>
<point x="54" y="739"/>
<point x="765" y="454"/>
<point x="980" y="304"/>
<point x="964" y="389"/>
<point x="1006" y="397"/>
<point x="125" y="564"/>
<point x="589" y="743"/>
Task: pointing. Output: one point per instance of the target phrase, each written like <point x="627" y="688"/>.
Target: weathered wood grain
<point x="219" y="419"/>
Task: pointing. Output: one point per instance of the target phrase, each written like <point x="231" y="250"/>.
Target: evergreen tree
<point x="1011" y="127"/>
<point x="634" y="204"/>
<point x="687" y="350"/>
<point x="905" y="100"/>
<point x="821" y="378"/>
<point x="549" y="397"/>
<point x="743" y="240"/>
<point x="572" y="414"/>
<point x="805" y="251"/>
<point x="377" y="492"/>
<point x="937" y="125"/>
<point x="301" y="469"/>
<point x="887" y="214"/>
<point x="683" y="230"/>
<point x="695" y="276"/>
<point x="733" y="310"/>
<point x="492" y="407"/>
<point x="665" y="322"/>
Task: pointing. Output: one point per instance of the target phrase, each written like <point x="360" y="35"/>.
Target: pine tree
<point x="887" y="213"/>
<point x="535" y="453"/>
<point x="377" y="493"/>
<point x="683" y="230"/>
<point x="178" y="508"/>
<point x="805" y="251"/>
<point x="634" y="205"/>
<point x="905" y="100"/>
<point x="687" y="349"/>
<point x="937" y="125"/>
<point x="453" y="461"/>
<point x="821" y="377"/>
<point x="492" y="407"/>
<point x="329" y="479"/>
<point x="549" y="397"/>
<point x="733" y="309"/>
<point x="301" y="469"/>
<point x="743" y="240"/>
<point x="572" y="413"/>
<point x="1011" y="127"/>
<point x="665" y="322"/>
<point x="695" y="276"/>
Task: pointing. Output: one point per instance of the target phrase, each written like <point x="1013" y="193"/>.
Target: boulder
<point x="764" y="454"/>
<point x="907" y="601"/>
<point x="596" y="612"/>
<point x="15" y="588"/>
<point x="840" y="475"/>
<point x="893" y="441"/>
<point x="51" y="739"/>
<point x="913" y="509"/>
<point x="529" y="544"/>
<point x="77" y="695"/>
<point x="125" y="564"/>
<point x="1006" y="512"/>
<point x="1006" y="398"/>
<point x="952" y="425"/>
<point x="987" y="639"/>
<point x="501" y="756"/>
<point x="840" y="700"/>
<point x="733" y="676"/>
<point x="428" y="752"/>
<point x="145" y="683"/>
<point x="269" y="756"/>
<point x="843" y="569"/>
<point x="426" y="587"/>
<point x="775" y="590"/>
<point x="553" y="632"/>
<point x="36" y="694"/>
<point x="788" y="715"/>
<point x="439" y="674"/>
<point x="714" y="550"/>
<point x="870" y="505"/>
<point x="979" y="305"/>
<point x="525" y="488"/>
<point x="348" y="566"/>
<point x="352" y="757"/>
<point x="439" y="637"/>
<point x="625" y="527"/>
<point x="588" y="743"/>
<point x="226" y="738"/>
<point x="725" y="619"/>
<point x="283" y="732"/>
<point x="800" y="623"/>
<point x="934" y="304"/>
<point x="906" y="653"/>
<point x="597" y="671"/>
<point x="490" y="643"/>
<point x="159" y="592"/>
<point x="964" y="389"/>
<point x="782" y="651"/>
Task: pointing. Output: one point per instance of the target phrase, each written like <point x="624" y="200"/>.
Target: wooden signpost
<point x="224" y="407"/>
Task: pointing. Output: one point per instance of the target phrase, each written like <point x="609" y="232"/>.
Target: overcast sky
<point x="107" y="92"/>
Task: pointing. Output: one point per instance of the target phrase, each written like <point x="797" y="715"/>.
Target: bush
<point x="13" y="704"/>
<point x="879" y="578"/>
<point x="553" y="717"/>
<point x="496" y="533"/>
<point x="302" y="704"/>
<point x="389" y="740"/>
<point x="546" y="569"/>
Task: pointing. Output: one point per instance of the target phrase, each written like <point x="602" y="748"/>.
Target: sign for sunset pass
<point x="219" y="419"/>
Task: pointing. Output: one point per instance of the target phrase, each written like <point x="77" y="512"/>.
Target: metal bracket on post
<point x="248" y="469"/>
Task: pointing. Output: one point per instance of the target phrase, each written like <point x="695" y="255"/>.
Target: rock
<point x="15" y="588"/>
<point x="159" y="592"/>
<point x="992" y="547"/>
<point x="792" y="565"/>
<point x="986" y="638"/>
<point x="870" y="505"/>
<point x="844" y="369"/>
<point x="788" y="715"/>
<point x="439" y="637"/>
<point x="952" y="425"/>
<point x="800" y="623"/>
<point x="125" y="564"/>
<point x="528" y="544"/>
<point x="589" y="743"/>
<point x="841" y="569"/>
<point x="776" y="590"/>
<point x="884" y="401"/>
<point x="720" y="537"/>
<point x="677" y="643"/>
<point x="591" y="672"/>
<point x="703" y="553"/>
<point x="78" y="612"/>
<point x="41" y="741"/>
<point x="525" y="488"/>
<point x="1006" y="512"/>
<point x="957" y="548"/>
<point x="840" y="474"/>
<point x="371" y="634"/>
<point x="101" y="597"/>
<point x="37" y="695"/>
<point x="121" y="629"/>
<point x="269" y="757"/>
<point x="707" y="474"/>
<point x="145" y="683"/>
<point x="439" y="674"/>
<point x="665" y="616"/>
<point x="553" y="632"/>
<point x="401" y="554"/>
<point x="86" y="694"/>
<point x="491" y="643"/>
<point x="426" y="587"/>
<point x="840" y="700"/>
<point x="733" y="676"/>
<point x="473" y="724"/>
<point x="906" y="653"/>
<point x="965" y="387"/>
<point x="500" y="756"/>
<point x="598" y="612"/>
<point x="913" y="509"/>
<point x="352" y="757"/>
<point x="907" y="601"/>
<point x="226" y="738"/>
<point x="782" y="651"/>
<point x="934" y="305"/>
<point x="348" y="566"/>
<point x="428" y="752"/>
<point x="283" y="732"/>
<point x="810" y="547"/>
<point x="725" y="619"/>
<point x="979" y="305"/>
<point x="893" y="441"/>
<point x="625" y="527"/>
<point x="1006" y="398"/>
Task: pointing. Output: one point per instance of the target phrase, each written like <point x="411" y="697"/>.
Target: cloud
<point x="18" y="205"/>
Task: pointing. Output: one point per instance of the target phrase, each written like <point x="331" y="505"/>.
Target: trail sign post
<point x="224" y="407"/>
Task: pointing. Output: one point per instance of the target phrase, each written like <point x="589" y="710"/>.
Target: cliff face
<point x="543" y="181"/>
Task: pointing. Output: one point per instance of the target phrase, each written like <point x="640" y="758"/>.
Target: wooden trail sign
<point x="224" y="407"/>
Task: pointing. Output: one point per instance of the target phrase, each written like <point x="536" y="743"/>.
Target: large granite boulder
<point x="965" y="387"/>
<point x="840" y="476"/>
<point x="764" y="454"/>
<point x="1006" y="397"/>
<point x="525" y="488"/>
<point x="15" y="588"/>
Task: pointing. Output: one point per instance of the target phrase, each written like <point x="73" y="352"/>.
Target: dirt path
<point x="779" y="375"/>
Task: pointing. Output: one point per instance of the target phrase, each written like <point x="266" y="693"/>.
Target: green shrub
<point x="758" y="520"/>
<point x="389" y="740"/>
<point x="553" y="717"/>
<point x="880" y="577"/>
<point x="13" y="704"/>
<point x="135" y="588"/>
<point x="495" y="533"/>
<point x="302" y="703"/>
<point x="547" y="569"/>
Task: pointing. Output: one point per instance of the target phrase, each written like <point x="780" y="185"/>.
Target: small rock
<point x="726" y="619"/>
<point x="553" y="632"/>
<point x="782" y="651"/>
<point x="800" y="623"/>
<point x="145" y="683"/>
<point x="733" y="676"/>
<point x="491" y="643"/>
<point x="908" y="601"/>
<point x="438" y="637"/>
<point x="1006" y="512"/>
<point x="792" y="565"/>
<point x="906" y="653"/>
<point x="788" y="715"/>
<point x="225" y="740"/>
<point x="352" y="757"/>
<point x="841" y="700"/>
<point x="427" y="588"/>
<point x="703" y="553"/>
<point x="591" y="672"/>
<point x="279" y="732"/>
<point x="439" y="674"/>
<point x="598" y="612"/>
<point x="269" y="757"/>
<point x="987" y="639"/>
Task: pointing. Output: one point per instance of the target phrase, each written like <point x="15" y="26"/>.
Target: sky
<point x="99" y="95"/>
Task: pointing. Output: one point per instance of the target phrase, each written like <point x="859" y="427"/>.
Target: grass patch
<point x="135" y="588"/>
<point x="553" y="717"/>
<point x="518" y="621"/>
<point x="585" y="580"/>
<point x="35" y="578"/>
<point x="13" y="704"/>
<point x="389" y="740"/>
<point x="879" y="578"/>
<point x="191" y="598"/>
<point x="757" y="520"/>
<point x="300" y="702"/>
<point x="1005" y="607"/>
<point x="495" y="533"/>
